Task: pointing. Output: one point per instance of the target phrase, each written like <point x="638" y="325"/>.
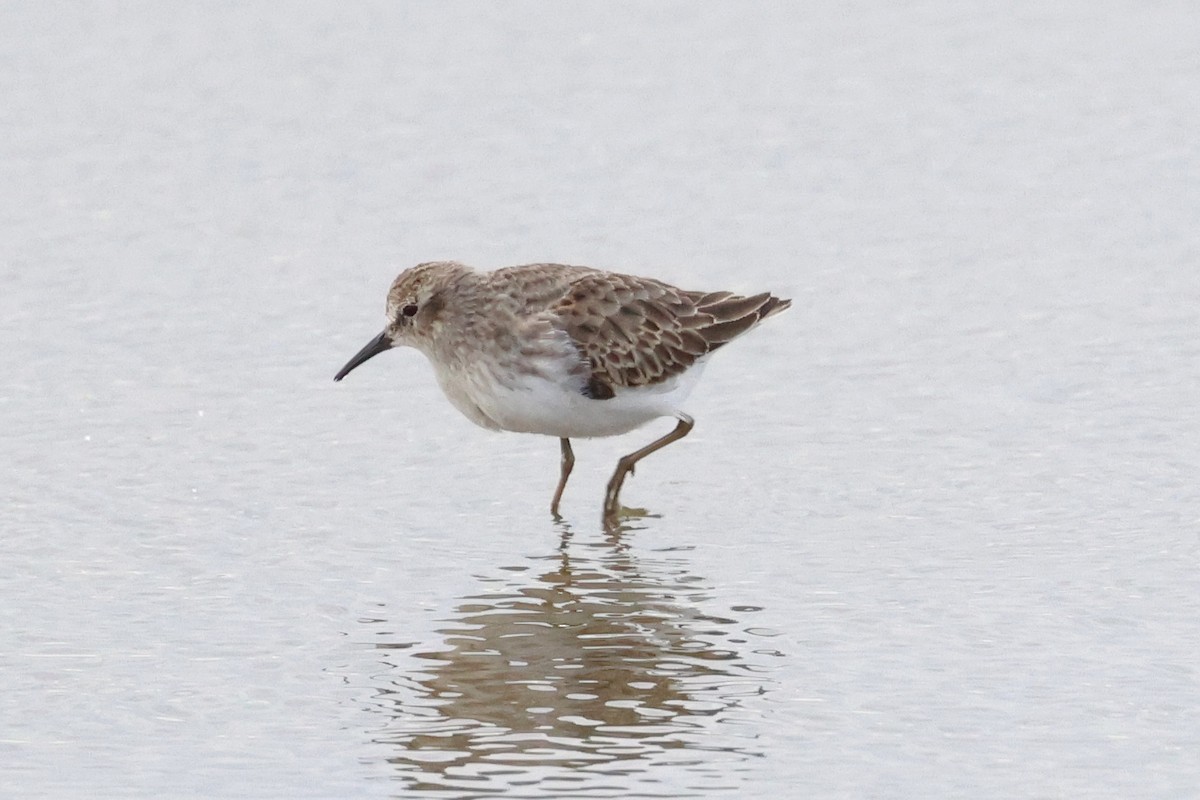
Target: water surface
<point x="934" y="534"/>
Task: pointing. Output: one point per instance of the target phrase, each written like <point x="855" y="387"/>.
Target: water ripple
<point x="568" y="671"/>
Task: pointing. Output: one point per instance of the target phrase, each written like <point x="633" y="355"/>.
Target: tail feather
<point x="773" y="306"/>
<point x="733" y="315"/>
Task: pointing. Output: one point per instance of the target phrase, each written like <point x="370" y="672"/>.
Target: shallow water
<point x="588" y="666"/>
<point x="935" y="532"/>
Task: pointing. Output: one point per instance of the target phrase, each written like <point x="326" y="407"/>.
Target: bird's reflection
<point x="579" y="667"/>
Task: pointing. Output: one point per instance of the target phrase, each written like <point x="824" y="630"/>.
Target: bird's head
<point x="414" y="307"/>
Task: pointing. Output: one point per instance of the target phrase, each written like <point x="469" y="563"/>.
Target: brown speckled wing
<point x="639" y="332"/>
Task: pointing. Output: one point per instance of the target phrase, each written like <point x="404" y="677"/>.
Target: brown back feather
<point x="639" y="332"/>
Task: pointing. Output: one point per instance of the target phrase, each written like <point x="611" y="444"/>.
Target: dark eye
<point x="409" y="310"/>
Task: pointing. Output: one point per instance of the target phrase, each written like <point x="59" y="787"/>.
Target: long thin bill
<point x="373" y="348"/>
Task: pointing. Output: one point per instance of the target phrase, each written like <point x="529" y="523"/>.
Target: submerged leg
<point x="626" y="464"/>
<point x="568" y="463"/>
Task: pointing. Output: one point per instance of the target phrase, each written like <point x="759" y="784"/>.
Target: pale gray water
<point x="936" y="532"/>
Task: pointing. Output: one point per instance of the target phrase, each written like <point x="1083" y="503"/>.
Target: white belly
<point x="556" y="406"/>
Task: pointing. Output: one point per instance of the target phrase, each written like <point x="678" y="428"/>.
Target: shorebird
<point x="563" y="351"/>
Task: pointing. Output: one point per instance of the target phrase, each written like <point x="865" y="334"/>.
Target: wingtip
<point x="775" y="305"/>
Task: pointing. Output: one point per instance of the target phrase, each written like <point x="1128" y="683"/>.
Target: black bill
<point x="373" y="348"/>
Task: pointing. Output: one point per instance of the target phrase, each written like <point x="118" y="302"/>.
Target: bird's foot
<point x="622" y="515"/>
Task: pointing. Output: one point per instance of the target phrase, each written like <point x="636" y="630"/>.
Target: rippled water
<point x="587" y="670"/>
<point x="935" y="533"/>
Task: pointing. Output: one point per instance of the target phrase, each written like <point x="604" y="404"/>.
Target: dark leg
<point x="626" y="464"/>
<point x="568" y="463"/>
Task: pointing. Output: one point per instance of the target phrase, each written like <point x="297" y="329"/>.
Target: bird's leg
<point x="626" y="464"/>
<point x="568" y="463"/>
